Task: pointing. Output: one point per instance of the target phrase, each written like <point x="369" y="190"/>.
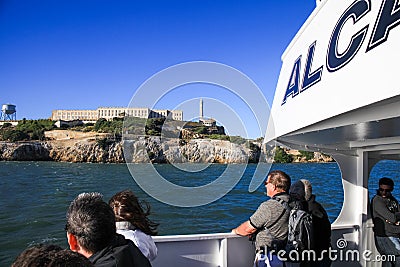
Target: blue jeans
<point x="267" y="261"/>
<point x="396" y="242"/>
<point x="388" y="246"/>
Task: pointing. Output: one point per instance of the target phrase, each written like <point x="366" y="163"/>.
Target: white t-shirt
<point x="143" y="241"/>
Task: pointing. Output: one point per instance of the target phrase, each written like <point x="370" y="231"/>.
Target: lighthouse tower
<point x="201" y="109"/>
<point x="205" y="121"/>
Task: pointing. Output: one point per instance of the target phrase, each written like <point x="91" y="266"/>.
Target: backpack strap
<point x="285" y="204"/>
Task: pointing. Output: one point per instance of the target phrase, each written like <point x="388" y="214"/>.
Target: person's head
<point x="297" y="191"/>
<point x="386" y="186"/>
<point x="68" y="258"/>
<point x="277" y="182"/>
<point x="36" y="256"/>
<point x="301" y="190"/>
<point x="90" y="224"/>
<point x="126" y="207"/>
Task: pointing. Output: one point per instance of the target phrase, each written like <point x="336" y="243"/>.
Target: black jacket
<point x="321" y="225"/>
<point x="120" y="253"/>
<point x="384" y="219"/>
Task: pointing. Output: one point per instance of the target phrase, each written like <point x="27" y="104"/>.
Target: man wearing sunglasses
<point x="386" y="217"/>
<point x="269" y="223"/>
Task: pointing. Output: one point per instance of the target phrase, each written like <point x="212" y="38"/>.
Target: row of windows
<point x="109" y="113"/>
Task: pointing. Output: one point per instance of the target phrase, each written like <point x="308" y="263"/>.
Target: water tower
<point x="8" y="112"/>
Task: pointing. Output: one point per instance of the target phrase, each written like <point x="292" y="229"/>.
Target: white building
<point x="109" y="113"/>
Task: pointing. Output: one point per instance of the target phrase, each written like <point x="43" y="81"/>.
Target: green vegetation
<point x="238" y="140"/>
<point x="104" y="126"/>
<point x="281" y="156"/>
<point x="26" y="130"/>
<point x="307" y="154"/>
<point x="200" y="130"/>
<point x="154" y="126"/>
<point x="218" y="137"/>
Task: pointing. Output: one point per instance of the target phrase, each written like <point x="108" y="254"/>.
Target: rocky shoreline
<point x="142" y="150"/>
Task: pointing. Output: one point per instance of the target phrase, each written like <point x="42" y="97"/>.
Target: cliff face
<point x="24" y="151"/>
<point x="196" y="151"/>
<point x="138" y="151"/>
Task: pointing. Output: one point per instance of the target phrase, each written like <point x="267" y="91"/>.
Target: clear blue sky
<point x="83" y="54"/>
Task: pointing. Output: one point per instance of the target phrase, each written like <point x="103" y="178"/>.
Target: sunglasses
<point x="385" y="190"/>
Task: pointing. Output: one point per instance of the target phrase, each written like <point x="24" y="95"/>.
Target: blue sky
<point x="86" y="54"/>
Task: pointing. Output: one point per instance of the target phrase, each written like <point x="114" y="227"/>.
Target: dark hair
<point x="91" y="221"/>
<point x="280" y="180"/>
<point x="68" y="258"/>
<point x="126" y="207"/>
<point x="386" y="181"/>
<point x="37" y="256"/>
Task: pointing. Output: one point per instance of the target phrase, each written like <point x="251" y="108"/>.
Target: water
<point x="34" y="197"/>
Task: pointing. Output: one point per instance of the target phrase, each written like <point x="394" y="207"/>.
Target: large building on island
<point x="109" y="113"/>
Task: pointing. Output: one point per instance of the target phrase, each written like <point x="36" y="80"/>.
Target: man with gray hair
<point x="302" y="191"/>
<point x="91" y="232"/>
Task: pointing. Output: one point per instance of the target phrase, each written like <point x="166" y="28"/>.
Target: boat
<point x="338" y="94"/>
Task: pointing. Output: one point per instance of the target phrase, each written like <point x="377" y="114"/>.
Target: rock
<point x="26" y="151"/>
<point x="152" y="149"/>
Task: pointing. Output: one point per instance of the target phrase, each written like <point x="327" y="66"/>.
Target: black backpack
<point x="300" y="235"/>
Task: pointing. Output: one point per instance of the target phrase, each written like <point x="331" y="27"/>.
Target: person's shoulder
<point x="281" y="197"/>
<point x="128" y="253"/>
<point x="142" y="236"/>
<point x="377" y="198"/>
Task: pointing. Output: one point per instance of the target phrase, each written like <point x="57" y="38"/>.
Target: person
<point x="132" y="222"/>
<point x="386" y="218"/>
<point x="91" y="232"/>
<point x="50" y="256"/>
<point x="270" y="221"/>
<point x="301" y="191"/>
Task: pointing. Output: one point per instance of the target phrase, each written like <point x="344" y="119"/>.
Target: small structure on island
<point x="206" y="122"/>
<point x="8" y="112"/>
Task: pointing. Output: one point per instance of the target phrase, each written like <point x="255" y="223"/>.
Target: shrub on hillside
<point x="281" y="156"/>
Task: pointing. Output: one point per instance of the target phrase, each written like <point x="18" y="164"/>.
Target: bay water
<point x="34" y="197"/>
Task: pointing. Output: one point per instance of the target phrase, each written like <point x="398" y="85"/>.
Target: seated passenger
<point x="91" y="232"/>
<point x="386" y="218"/>
<point x="133" y="223"/>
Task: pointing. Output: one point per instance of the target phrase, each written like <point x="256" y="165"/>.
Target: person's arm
<point x="244" y="229"/>
<point x="380" y="210"/>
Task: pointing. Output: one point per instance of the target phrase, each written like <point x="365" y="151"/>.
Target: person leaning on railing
<point x="269" y="222"/>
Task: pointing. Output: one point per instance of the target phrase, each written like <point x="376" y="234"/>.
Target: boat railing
<point x="227" y="249"/>
<point x="220" y="249"/>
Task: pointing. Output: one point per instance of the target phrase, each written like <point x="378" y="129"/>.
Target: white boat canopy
<point x="339" y="86"/>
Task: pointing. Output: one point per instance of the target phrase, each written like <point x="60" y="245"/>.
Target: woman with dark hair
<point x="133" y="223"/>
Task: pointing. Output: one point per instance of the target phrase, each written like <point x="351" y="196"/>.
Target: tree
<point x="13" y="135"/>
<point x="281" y="156"/>
<point x="307" y="154"/>
<point x="100" y="124"/>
